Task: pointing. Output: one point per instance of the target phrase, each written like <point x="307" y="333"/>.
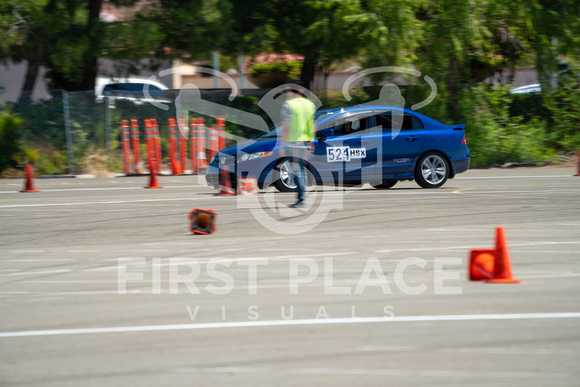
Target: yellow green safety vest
<point x="302" y="121"/>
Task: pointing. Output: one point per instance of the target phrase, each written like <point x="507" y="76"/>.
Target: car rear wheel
<point x="432" y="170"/>
<point x="386" y="184"/>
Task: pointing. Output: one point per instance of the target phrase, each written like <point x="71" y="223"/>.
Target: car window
<point x="389" y="120"/>
<point x="350" y="126"/>
<point x="346" y="124"/>
<point x="132" y="90"/>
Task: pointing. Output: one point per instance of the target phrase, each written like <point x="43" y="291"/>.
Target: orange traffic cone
<point x="225" y="185"/>
<point x="481" y="264"/>
<point x="492" y="265"/>
<point x="248" y="187"/>
<point x="502" y="268"/>
<point x="29" y="185"/>
<point x="152" y="175"/>
<point x="202" y="221"/>
<point x="176" y="168"/>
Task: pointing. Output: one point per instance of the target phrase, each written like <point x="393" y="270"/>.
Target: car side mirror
<point x="325" y="133"/>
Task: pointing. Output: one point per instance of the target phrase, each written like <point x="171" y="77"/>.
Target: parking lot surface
<point x="103" y="283"/>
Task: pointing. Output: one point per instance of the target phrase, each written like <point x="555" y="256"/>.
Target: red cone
<point x="29" y="185"/>
<point x="176" y="168"/>
<point x="248" y="187"/>
<point x="153" y="176"/>
<point x="502" y="268"/>
<point x="225" y="185"/>
<point x="492" y="265"/>
<point x="481" y="264"/>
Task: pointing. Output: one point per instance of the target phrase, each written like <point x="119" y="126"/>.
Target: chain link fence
<point x="76" y="133"/>
<point x="73" y="133"/>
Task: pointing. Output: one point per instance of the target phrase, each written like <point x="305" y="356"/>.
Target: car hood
<point x="251" y="146"/>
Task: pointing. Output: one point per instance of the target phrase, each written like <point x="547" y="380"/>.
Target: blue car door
<point x="347" y="155"/>
<point x="403" y="137"/>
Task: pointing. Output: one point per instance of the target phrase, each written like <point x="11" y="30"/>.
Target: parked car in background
<point x="535" y="88"/>
<point x="136" y="90"/>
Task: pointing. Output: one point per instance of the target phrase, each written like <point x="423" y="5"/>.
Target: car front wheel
<point x="283" y="178"/>
<point x="432" y="170"/>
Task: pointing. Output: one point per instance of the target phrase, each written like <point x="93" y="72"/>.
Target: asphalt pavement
<point x="102" y="282"/>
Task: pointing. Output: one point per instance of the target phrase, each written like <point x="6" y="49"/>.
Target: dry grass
<point x="97" y="164"/>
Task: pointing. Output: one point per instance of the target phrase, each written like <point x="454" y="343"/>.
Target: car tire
<point x="386" y="184"/>
<point x="283" y="182"/>
<point x="282" y="176"/>
<point x="432" y="170"/>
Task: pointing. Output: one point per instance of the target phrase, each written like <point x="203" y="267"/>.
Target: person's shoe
<point x="298" y="204"/>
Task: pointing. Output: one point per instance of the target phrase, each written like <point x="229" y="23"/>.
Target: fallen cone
<point x="492" y="265"/>
<point x="202" y="221"/>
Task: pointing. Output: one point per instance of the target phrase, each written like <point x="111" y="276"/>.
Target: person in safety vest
<point x="297" y="136"/>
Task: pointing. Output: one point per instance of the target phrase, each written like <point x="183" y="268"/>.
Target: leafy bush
<point x="564" y="121"/>
<point x="10" y="146"/>
<point x="272" y="63"/>
<point x="333" y="99"/>
<point x="494" y="136"/>
<point x="51" y="161"/>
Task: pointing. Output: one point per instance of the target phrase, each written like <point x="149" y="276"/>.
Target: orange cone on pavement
<point x="176" y="168"/>
<point x="481" y="264"/>
<point x="225" y="184"/>
<point x="29" y="184"/>
<point x="492" y="265"/>
<point x="502" y="268"/>
<point x="152" y="175"/>
<point x="202" y="221"/>
<point x="248" y="187"/>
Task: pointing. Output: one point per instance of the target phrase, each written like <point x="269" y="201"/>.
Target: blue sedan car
<point x="379" y="145"/>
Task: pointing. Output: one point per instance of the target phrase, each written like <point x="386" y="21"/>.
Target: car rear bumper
<point x="461" y="165"/>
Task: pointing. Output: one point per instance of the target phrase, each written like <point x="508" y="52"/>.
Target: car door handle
<point x="412" y="138"/>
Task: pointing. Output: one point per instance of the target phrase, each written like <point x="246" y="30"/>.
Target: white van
<point x="136" y="90"/>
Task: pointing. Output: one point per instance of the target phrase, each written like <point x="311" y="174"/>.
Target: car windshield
<point x="272" y="133"/>
<point x="277" y="130"/>
<point x="329" y="118"/>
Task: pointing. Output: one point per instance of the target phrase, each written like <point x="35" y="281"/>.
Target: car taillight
<point x="464" y="142"/>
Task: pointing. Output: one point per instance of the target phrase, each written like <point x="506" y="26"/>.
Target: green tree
<point x="190" y="29"/>
<point x="10" y="146"/>
<point x="24" y="26"/>
<point x="552" y="31"/>
<point x="338" y="31"/>
<point x="323" y="31"/>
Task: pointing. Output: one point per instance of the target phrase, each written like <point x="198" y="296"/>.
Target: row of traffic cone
<point x="245" y="186"/>
<point x="29" y="178"/>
